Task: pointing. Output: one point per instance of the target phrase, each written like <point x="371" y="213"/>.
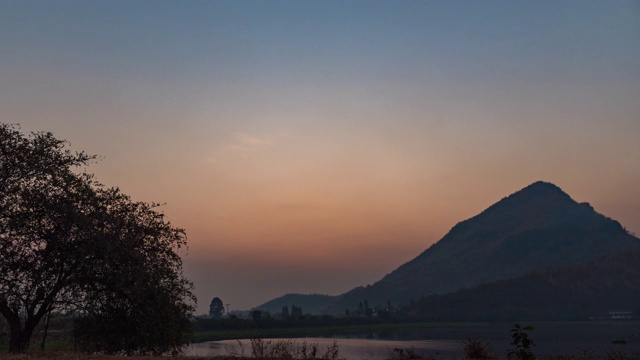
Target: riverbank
<point x="76" y="356"/>
<point x="591" y="340"/>
<point x="324" y="331"/>
<point x="442" y="341"/>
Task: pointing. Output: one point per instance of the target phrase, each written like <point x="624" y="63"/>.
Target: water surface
<point x="447" y="341"/>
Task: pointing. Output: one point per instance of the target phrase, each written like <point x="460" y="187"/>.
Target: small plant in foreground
<point x="410" y="353"/>
<point x="520" y="339"/>
<point x="308" y="351"/>
<point x="476" y="349"/>
<point x="618" y="355"/>
<point x="332" y="352"/>
<point x="235" y="352"/>
<point x="287" y="349"/>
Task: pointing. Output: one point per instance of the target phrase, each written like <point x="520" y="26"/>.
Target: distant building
<point x="620" y="314"/>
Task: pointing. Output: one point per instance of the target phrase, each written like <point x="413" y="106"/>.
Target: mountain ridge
<point x="569" y="293"/>
<point x="310" y="303"/>
<point x="532" y="229"/>
<point x="536" y="227"/>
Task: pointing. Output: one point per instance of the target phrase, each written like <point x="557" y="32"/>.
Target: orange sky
<point x="313" y="147"/>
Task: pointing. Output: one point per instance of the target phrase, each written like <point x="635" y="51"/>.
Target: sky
<point x="315" y="146"/>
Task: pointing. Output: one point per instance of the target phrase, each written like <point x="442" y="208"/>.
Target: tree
<point x="368" y="311"/>
<point x="69" y="243"/>
<point x="216" y="308"/>
<point x="296" y="312"/>
<point x="142" y="303"/>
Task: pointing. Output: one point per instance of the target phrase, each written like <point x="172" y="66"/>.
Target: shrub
<point x="520" y="339"/>
<point x="476" y="349"/>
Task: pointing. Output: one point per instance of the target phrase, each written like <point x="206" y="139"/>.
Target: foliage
<point x="311" y="303"/>
<point x="476" y="349"/>
<point x="308" y="351"/>
<point x="408" y="354"/>
<point x="288" y="349"/>
<point x="69" y="244"/>
<point x="332" y="353"/>
<point x="216" y="308"/>
<point x="520" y="339"/>
<point x="151" y="321"/>
<point x="42" y="219"/>
<point x="296" y="312"/>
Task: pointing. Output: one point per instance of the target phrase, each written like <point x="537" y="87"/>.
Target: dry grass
<point x="79" y="356"/>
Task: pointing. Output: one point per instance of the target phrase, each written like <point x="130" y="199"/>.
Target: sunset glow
<point x="316" y="146"/>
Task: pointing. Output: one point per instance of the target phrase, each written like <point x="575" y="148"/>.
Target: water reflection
<point x="446" y="341"/>
<point x="355" y="349"/>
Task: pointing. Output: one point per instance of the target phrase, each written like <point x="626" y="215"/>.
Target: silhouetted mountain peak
<point x="540" y="204"/>
<point x="537" y="227"/>
<point x="542" y="188"/>
<point x="539" y="192"/>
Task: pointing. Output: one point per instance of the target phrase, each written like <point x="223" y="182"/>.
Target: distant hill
<point x="535" y="228"/>
<point x="577" y="292"/>
<point x="310" y="303"/>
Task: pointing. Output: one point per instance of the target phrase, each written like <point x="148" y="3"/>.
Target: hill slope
<point x="568" y="293"/>
<point x="535" y="228"/>
<point x="310" y="303"/>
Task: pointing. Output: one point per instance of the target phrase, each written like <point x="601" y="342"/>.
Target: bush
<point x="476" y="349"/>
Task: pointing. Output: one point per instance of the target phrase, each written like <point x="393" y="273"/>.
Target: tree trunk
<point x="20" y="337"/>
<point x="25" y="337"/>
<point x="15" y="339"/>
<point x="14" y="326"/>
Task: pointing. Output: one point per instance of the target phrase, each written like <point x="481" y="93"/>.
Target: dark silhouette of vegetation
<point x="296" y="312"/>
<point x="523" y="344"/>
<point x="261" y="323"/>
<point x="216" y="308"/>
<point x="475" y="349"/>
<point x="311" y="303"/>
<point x="409" y="354"/>
<point x="69" y="244"/>
<point x="287" y="349"/>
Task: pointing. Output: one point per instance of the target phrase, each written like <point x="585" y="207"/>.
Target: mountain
<point x="576" y="292"/>
<point x="536" y="228"/>
<point x="310" y="303"/>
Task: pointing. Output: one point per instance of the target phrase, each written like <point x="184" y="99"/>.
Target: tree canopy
<point x="216" y="308"/>
<point x="70" y="243"/>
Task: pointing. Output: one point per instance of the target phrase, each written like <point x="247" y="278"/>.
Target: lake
<point x="446" y="341"/>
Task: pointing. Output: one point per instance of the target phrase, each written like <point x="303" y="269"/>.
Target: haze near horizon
<point x="313" y="146"/>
